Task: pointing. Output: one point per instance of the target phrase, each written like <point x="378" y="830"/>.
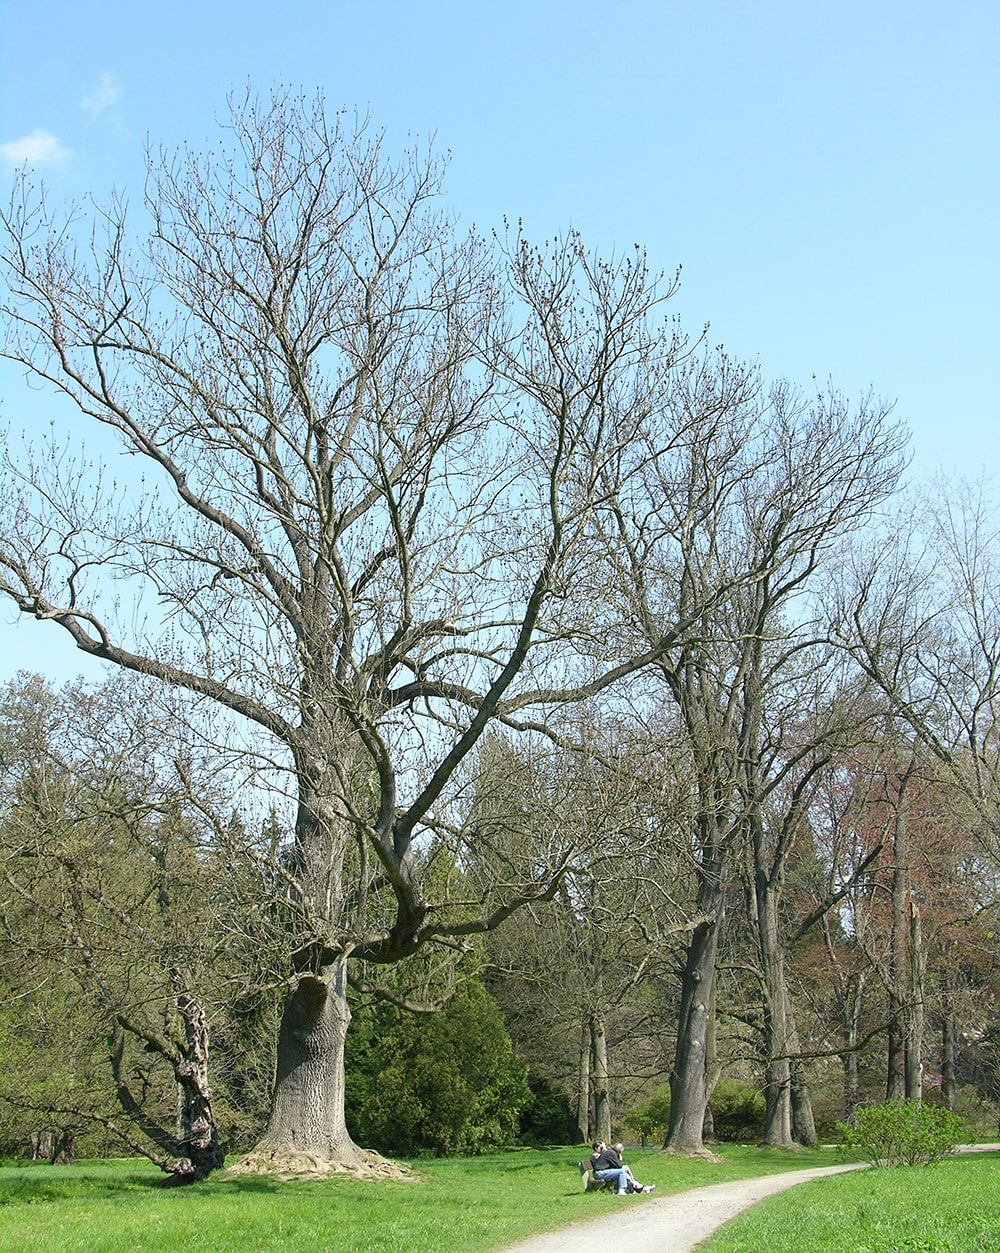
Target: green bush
<point x="737" y="1112"/>
<point x="439" y="1083"/>
<point x="903" y="1133"/>
<point x="652" y="1117"/>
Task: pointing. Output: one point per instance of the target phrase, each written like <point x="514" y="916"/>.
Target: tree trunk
<point x="895" y="1078"/>
<point x="690" y="1086"/>
<point x="63" y="1148"/>
<point x="899" y="958"/>
<point x="307" y="1128"/>
<point x="915" y="1016"/>
<point x="777" y="1068"/>
<point x="852" y="1005"/>
<point x="777" y="1104"/>
<point x="602" y="1092"/>
<point x="199" y="1134"/>
<point x="803" y="1123"/>
<point x="583" y="1086"/>
<point x="949" y="1047"/>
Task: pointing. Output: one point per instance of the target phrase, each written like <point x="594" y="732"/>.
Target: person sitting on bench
<point x="633" y="1184"/>
<point x="608" y="1166"/>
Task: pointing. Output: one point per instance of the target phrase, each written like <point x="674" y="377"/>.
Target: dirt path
<point x="667" y="1224"/>
<point x="675" y="1224"/>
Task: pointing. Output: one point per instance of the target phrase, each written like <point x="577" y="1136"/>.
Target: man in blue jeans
<point x="608" y="1165"/>
<point x="633" y="1184"/>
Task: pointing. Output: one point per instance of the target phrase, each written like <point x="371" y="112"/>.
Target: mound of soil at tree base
<point x="287" y="1165"/>
<point x="676" y="1224"/>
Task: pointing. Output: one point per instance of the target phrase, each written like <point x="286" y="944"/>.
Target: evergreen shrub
<point x="435" y="1084"/>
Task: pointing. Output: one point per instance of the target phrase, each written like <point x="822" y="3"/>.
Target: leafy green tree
<point x="548" y="1119"/>
<point x="111" y="898"/>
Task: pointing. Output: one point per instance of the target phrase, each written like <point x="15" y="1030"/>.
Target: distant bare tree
<point x="745" y="493"/>
<point x="919" y="611"/>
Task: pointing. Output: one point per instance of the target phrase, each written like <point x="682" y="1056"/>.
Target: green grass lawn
<point x="468" y="1205"/>
<point x="953" y="1207"/>
<point x="462" y="1205"/>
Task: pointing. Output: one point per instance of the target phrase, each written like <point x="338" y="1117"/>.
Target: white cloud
<point x="38" y="148"/>
<point x="107" y="92"/>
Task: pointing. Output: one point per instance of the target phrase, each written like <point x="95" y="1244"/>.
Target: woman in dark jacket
<point x="607" y="1164"/>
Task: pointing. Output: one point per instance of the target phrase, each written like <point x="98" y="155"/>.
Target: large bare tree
<point x="355" y="513"/>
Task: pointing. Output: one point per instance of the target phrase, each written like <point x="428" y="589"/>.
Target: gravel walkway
<point x="675" y="1224"/>
<point x="667" y="1224"/>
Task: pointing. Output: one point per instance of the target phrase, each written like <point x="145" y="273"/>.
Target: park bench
<point x="590" y="1184"/>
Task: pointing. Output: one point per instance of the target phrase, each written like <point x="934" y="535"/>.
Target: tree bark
<point x="900" y="995"/>
<point x="307" y="1128"/>
<point x="199" y="1134"/>
<point x="949" y="1047"/>
<point x="307" y="1120"/>
<point x="915" y="1016"/>
<point x="777" y="1067"/>
<point x="803" y="1123"/>
<point x="63" y="1148"/>
<point x="602" y="1092"/>
<point x="690" y="1083"/>
<point x="583" y="1086"/>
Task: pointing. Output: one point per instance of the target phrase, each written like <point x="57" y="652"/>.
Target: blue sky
<point x="826" y="174"/>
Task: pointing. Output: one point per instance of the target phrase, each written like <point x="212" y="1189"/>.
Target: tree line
<point x="478" y="617"/>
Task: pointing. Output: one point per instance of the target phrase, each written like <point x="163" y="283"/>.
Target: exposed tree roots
<point x="703" y="1154"/>
<point x="288" y="1164"/>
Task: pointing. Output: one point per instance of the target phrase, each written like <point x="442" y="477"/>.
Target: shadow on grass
<point x="31" y="1189"/>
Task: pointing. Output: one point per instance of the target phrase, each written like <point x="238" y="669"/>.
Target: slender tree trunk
<point x="949" y="1047"/>
<point x="915" y="1016"/>
<point x="803" y="1123"/>
<point x="199" y="1134"/>
<point x="900" y="995"/>
<point x="895" y="1079"/>
<point x="852" y="1091"/>
<point x="777" y="1068"/>
<point x="856" y="1004"/>
<point x="583" y="1085"/>
<point x="191" y="1150"/>
<point x="708" y="1123"/>
<point x="602" y="1093"/>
